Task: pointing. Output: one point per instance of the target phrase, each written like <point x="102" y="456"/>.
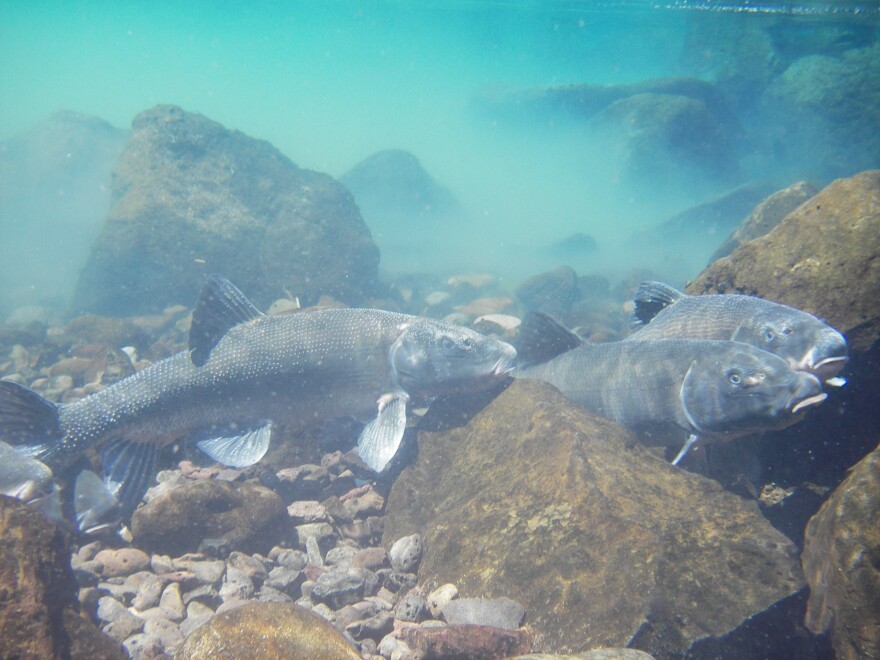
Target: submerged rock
<point x="822" y="258"/>
<point x="248" y="517"/>
<point x="839" y="559"/>
<point x="267" y="630"/>
<point x="39" y="613"/>
<point x="766" y="216"/>
<point x="193" y="197"/>
<point x="602" y="544"/>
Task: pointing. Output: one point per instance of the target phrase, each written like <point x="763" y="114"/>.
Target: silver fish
<point x="33" y="482"/>
<point x="808" y="344"/>
<point x="245" y="372"/>
<point x="712" y="390"/>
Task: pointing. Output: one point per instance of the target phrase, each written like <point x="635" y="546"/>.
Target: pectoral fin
<point x="95" y="506"/>
<point x="240" y="450"/>
<point x="688" y="445"/>
<point x="381" y="437"/>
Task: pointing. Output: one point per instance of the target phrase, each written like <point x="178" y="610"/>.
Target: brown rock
<point x="191" y="197"/>
<point x="267" y="630"/>
<point x="122" y="562"/>
<point x="766" y="216"/>
<point x="840" y="562"/>
<point x="249" y="517"/>
<point x="39" y="612"/>
<point x="821" y="258"/>
<point x="542" y="502"/>
<point x="468" y="642"/>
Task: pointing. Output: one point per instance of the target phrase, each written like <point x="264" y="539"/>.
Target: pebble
<point x="171" y="602"/>
<point x="307" y="511"/>
<point x="496" y="612"/>
<point x="167" y="632"/>
<point x="122" y="562"/>
<point x="206" y="571"/>
<point x="406" y="553"/>
<point x="313" y="552"/>
<point x="438" y="598"/>
<point x="292" y="559"/>
<point x="248" y="565"/>
<point x="236" y="586"/>
<point x="148" y="592"/>
<point x="286" y="580"/>
<point x="322" y="532"/>
<point x="411" y="607"/>
<point x="143" y="646"/>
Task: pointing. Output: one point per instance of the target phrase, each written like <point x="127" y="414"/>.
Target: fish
<point x="708" y="391"/>
<point x="245" y="372"/>
<point x="808" y="344"/>
<point x="34" y="483"/>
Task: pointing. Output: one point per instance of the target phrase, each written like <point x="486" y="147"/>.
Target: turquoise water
<point x="331" y="83"/>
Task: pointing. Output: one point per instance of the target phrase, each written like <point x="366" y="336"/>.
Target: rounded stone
<point x="122" y="562"/>
<point x="406" y="553"/>
<point x="267" y="630"/>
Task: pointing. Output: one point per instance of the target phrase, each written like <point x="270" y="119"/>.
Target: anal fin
<point x="240" y="450"/>
<point x="129" y="468"/>
<point x="381" y="438"/>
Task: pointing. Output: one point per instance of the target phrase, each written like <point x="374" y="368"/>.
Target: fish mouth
<point x="825" y="369"/>
<point x="809" y="401"/>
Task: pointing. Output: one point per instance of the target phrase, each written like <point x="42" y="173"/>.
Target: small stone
<point x="122" y="561"/>
<point x="322" y="532"/>
<point x="196" y="609"/>
<point x="286" y="580"/>
<point x="110" y="609"/>
<point x="371" y="558"/>
<point x="161" y="564"/>
<point x="251" y="567"/>
<point x="396" y="581"/>
<point x="313" y="552"/>
<point x="124" y="626"/>
<point x="307" y="511"/>
<point x="338" y="589"/>
<point x="467" y="641"/>
<point x="206" y="571"/>
<point x="204" y="594"/>
<point x="270" y="595"/>
<point x="89" y="551"/>
<point x="412" y="607"/>
<point x="392" y="647"/>
<point x="292" y="559"/>
<point x="376" y="627"/>
<point x="341" y="556"/>
<point x="406" y="553"/>
<point x="148" y="593"/>
<point x="171" y="603"/>
<point x="121" y="592"/>
<point x="237" y="586"/>
<point x="143" y="647"/>
<point x="166" y="631"/>
<point x="193" y="623"/>
<point x="438" y="598"/>
<point x="370" y="504"/>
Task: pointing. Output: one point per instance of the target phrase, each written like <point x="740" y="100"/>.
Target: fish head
<point x="801" y="339"/>
<point x="742" y="389"/>
<point x="431" y="358"/>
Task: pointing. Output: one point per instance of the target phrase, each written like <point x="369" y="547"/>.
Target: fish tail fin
<point x="651" y="298"/>
<point x="29" y="422"/>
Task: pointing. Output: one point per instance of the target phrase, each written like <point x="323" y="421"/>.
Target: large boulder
<point x="245" y="516"/>
<point x="39" y="611"/>
<point x="821" y="258"/>
<point x="766" y="216"/>
<point x="841" y="565"/>
<point x="191" y="197"/>
<point x="603" y="544"/>
<point x="54" y="193"/>
<point x="823" y="113"/>
<point x="267" y="630"/>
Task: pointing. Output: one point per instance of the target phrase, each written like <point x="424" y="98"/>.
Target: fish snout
<point x="807" y="393"/>
<point x="826" y="358"/>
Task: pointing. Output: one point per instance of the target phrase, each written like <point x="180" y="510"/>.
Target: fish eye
<point x="468" y="343"/>
<point x="769" y="335"/>
<point x="446" y="344"/>
<point x="734" y="378"/>
<point x="787" y="330"/>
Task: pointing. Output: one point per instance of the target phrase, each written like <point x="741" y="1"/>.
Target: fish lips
<point x="824" y="360"/>
<point x="807" y="394"/>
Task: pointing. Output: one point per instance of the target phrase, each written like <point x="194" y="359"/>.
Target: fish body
<point x="709" y="390"/>
<point x="805" y="342"/>
<point x="246" y="371"/>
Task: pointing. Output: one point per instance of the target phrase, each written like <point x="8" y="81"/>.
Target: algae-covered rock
<point x="39" y="612"/>
<point x="841" y="565"/>
<point x="822" y="258"/>
<point x="766" y="216"/>
<point x="248" y="517"/>
<point x="191" y="197"/>
<point x="267" y="630"/>
<point x="603" y="545"/>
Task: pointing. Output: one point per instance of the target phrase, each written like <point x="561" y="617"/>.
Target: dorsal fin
<point x="541" y="338"/>
<point x="220" y="307"/>
<point x="651" y="298"/>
